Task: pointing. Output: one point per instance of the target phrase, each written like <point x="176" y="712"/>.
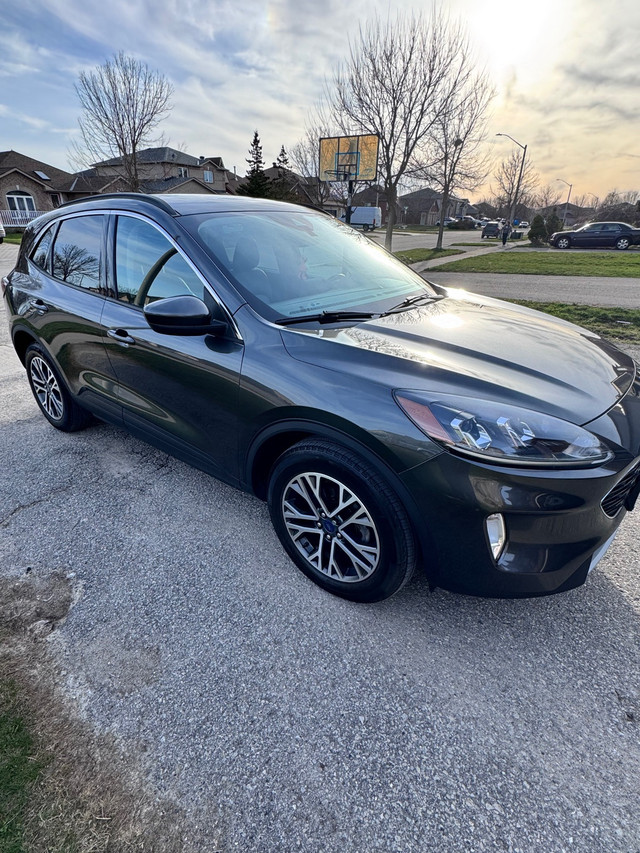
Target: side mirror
<point x="182" y="315"/>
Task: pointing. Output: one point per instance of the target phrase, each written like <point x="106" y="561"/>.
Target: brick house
<point x="423" y="207"/>
<point x="29" y="187"/>
<point x="168" y="170"/>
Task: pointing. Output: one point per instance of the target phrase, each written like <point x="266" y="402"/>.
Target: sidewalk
<point x="8" y="257"/>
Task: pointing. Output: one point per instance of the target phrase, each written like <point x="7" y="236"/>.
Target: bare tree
<point x="620" y="207"/>
<point x="305" y="159"/>
<point x="394" y="84"/>
<point x="547" y="196"/>
<point x="122" y="101"/>
<point x="452" y="156"/>
<point x="507" y="180"/>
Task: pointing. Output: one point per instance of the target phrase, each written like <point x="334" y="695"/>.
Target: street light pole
<point x="566" y="204"/>
<point x="524" y="154"/>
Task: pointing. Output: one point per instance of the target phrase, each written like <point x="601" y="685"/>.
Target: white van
<point x="366" y="218"/>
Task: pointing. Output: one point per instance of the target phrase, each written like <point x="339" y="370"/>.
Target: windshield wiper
<point x="326" y="317"/>
<point x="414" y="300"/>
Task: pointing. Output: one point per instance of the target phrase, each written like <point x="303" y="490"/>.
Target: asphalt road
<point x="285" y="719"/>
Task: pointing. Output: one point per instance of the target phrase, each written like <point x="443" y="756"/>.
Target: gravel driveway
<point x="284" y="719"/>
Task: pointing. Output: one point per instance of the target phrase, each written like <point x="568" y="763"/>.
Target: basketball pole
<point x="347" y="217"/>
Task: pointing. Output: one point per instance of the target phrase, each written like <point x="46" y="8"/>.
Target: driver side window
<point x="149" y="267"/>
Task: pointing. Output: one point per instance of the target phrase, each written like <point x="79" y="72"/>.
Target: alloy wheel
<point x="331" y="527"/>
<point x="46" y="388"/>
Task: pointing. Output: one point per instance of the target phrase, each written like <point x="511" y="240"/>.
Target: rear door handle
<point x="39" y="306"/>
<point x="121" y="336"/>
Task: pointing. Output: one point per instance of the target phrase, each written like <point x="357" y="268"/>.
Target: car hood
<point x="478" y="347"/>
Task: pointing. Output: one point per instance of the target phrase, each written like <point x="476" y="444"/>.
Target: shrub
<point x="538" y="232"/>
<point x="553" y="224"/>
<point x="461" y="225"/>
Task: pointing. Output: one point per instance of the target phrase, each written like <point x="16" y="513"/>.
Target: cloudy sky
<point x="567" y="73"/>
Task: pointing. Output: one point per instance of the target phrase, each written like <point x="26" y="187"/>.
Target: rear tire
<point x="623" y="243"/>
<point x="51" y="394"/>
<point x="341" y="522"/>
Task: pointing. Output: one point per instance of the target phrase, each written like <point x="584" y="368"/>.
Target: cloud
<point x="602" y="77"/>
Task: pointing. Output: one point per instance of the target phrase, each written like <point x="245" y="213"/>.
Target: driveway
<point x="283" y="719"/>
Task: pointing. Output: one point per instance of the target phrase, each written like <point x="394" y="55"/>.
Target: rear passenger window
<point x="40" y="255"/>
<point x="149" y="267"/>
<point x="77" y="252"/>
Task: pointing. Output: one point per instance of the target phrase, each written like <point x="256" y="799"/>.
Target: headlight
<point x="502" y="433"/>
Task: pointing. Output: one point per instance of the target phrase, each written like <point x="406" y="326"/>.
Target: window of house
<point x="208" y="176"/>
<point x="40" y="255"/>
<point x="77" y="252"/>
<point x="20" y="202"/>
<point x="149" y="267"/>
<point x="183" y="172"/>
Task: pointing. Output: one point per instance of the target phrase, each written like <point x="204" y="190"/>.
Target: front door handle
<point x="121" y="336"/>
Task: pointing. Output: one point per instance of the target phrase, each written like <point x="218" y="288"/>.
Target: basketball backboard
<point x="348" y="158"/>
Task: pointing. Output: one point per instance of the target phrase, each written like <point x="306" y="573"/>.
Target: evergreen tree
<point x="538" y="232"/>
<point x="553" y="223"/>
<point x="281" y="186"/>
<point x="257" y="185"/>
<point x="283" y="159"/>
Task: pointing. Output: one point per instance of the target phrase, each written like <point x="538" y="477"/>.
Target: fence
<point x="18" y="218"/>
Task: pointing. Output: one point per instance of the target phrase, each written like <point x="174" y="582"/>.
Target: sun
<point x="515" y="44"/>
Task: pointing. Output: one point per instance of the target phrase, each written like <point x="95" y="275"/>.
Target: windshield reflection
<point x="289" y="264"/>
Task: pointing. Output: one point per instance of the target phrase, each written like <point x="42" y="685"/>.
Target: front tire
<point x="623" y="243"/>
<point x="563" y="243"/>
<point x="341" y="522"/>
<point x="51" y="394"/>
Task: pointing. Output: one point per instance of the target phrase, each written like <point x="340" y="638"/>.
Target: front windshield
<point x="289" y="264"/>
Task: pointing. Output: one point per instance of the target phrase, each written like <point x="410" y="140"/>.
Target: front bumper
<point x="558" y="522"/>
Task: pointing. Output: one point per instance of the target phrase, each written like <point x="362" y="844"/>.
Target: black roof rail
<point x="148" y="199"/>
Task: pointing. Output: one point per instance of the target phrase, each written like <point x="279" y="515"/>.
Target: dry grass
<point x="88" y="796"/>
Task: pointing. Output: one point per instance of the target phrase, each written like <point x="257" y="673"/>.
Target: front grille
<point x="614" y="500"/>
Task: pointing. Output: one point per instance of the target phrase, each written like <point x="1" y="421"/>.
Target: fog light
<point x="496" y="533"/>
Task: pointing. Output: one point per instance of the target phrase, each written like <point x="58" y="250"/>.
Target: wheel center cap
<point x="330" y="527"/>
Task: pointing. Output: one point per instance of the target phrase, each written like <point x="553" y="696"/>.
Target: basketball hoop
<point x="339" y="175"/>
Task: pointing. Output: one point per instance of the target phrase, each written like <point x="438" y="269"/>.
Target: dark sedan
<point x="389" y="423"/>
<point x="491" y="229"/>
<point x="597" y="235"/>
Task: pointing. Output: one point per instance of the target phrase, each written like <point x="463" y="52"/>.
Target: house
<point x="424" y="207"/>
<point x="167" y="170"/>
<point x="29" y="187"/>
<point x="372" y="196"/>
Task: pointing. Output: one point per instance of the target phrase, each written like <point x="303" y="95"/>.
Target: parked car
<point x="447" y="221"/>
<point x="388" y="422"/>
<point x="3" y="233"/>
<point x="597" y="235"/>
<point x="491" y="229"/>
<point x="523" y="224"/>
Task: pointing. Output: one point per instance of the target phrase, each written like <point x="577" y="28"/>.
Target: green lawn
<point x="620" y="323"/>
<point x="20" y="766"/>
<point x="416" y="229"/>
<point x="412" y="256"/>
<point x="622" y="264"/>
<point x="480" y="245"/>
<point x="13" y="238"/>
